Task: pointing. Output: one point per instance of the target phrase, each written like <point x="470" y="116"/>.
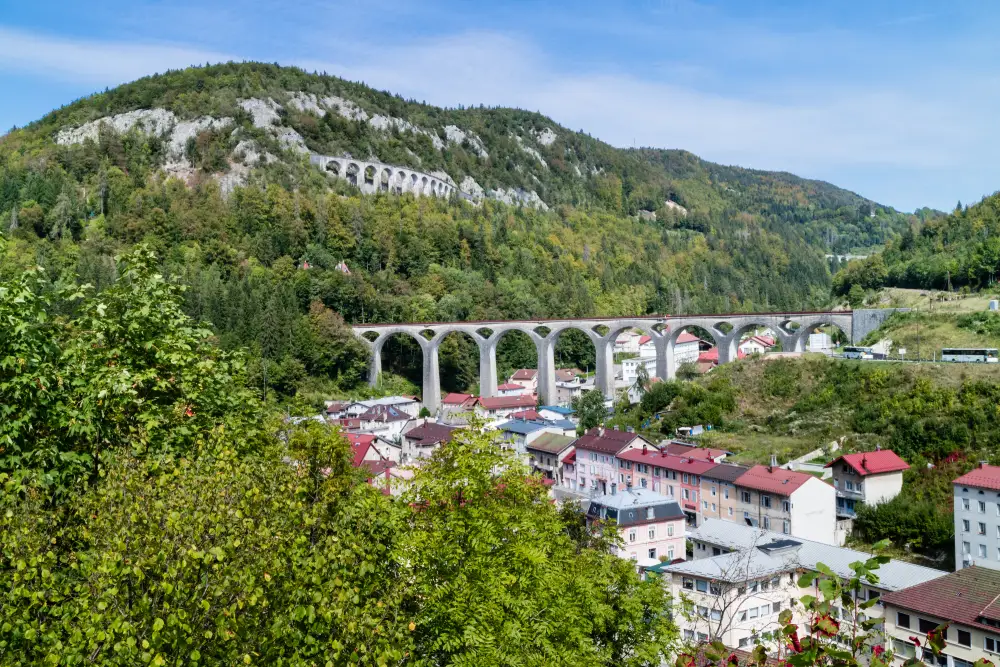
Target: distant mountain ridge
<point x="228" y="120"/>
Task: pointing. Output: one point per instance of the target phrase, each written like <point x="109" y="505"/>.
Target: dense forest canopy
<point x="239" y="233"/>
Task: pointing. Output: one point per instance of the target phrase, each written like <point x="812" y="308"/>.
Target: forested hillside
<point x="960" y="250"/>
<point x="210" y="168"/>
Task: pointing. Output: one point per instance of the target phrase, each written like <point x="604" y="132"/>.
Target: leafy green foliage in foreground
<point x="174" y="526"/>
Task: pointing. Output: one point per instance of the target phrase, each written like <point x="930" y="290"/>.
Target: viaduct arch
<point x="726" y="331"/>
<point x="371" y="177"/>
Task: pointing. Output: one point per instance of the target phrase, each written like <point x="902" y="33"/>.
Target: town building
<point x="511" y="389"/>
<point x="718" y="492"/>
<point x="687" y="347"/>
<point x="386" y="421"/>
<point x="738" y="574"/>
<point x="405" y="404"/>
<point x="977" y="517"/>
<point x="557" y="412"/>
<point x="546" y="454"/>
<point x="866" y="478"/>
<point x="756" y="344"/>
<point x="568" y="374"/>
<point x="420" y="441"/>
<point x="630" y="369"/>
<point x="627" y="342"/>
<point x="501" y="407"/>
<point x="455" y="407"/>
<point x="527" y="378"/>
<point x="675" y="477"/>
<point x="567" y="391"/>
<point x="517" y="434"/>
<point x="787" y="501"/>
<point x="968" y="599"/>
<point x="597" y="458"/>
<point x="651" y="526"/>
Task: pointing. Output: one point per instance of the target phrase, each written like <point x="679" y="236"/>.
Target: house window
<point x="926" y="626"/>
<point x="776" y="607"/>
<point x="982" y="551"/>
<point x="716" y="615"/>
<point x="684" y="478"/>
<point x="902" y="620"/>
<point x="725" y="494"/>
<point x="752" y="612"/>
<point x="713" y="507"/>
<point x="982" y="507"/>
<point x="715" y="588"/>
<point x="689" y="586"/>
<point x="765" y="501"/>
<point x="966" y="548"/>
<point x="704" y="504"/>
<point x="670" y="553"/>
<point x="730" y="511"/>
<point x="650" y="512"/>
<point x="642" y="482"/>
<point x="965" y="525"/>
<point x="965" y="503"/>
<point x="656" y="487"/>
<point x="765" y="585"/>
<point x="753" y="587"/>
<point x="701" y="586"/>
<point x="786" y="527"/>
<point x="903" y="649"/>
<point x="652" y="532"/>
<point x="631" y="535"/>
<point x="982" y="528"/>
<point x="656" y="472"/>
<point x="965" y="638"/>
<point x="713" y="489"/>
<point x="860" y="487"/>
<point x="746" y="496"/>
<point x="767" y="523"/>
<point x="850" y="485"/>
<point x="744" y="642"/>
<point x="652" y="553"/>
<point x="687" y="494"/>
<point x="765" y="609"/>
<point x="670" y="530"/>
<point x="689" y="635"/>
<point x="786" y="506"/>
<point x="991" y="644"/>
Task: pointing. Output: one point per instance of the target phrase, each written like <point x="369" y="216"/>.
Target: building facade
<point x="977" y="517"/>
<point x="651" y="526"/>
<point x="866" y="478"/>
<point x="787" y="501"/>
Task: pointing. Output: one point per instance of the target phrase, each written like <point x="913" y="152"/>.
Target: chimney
<point x="864" y="462"/>
<point x="616" y="427"/>
<point x="774" y="463"/>
<point x="614" y="487"/>
<point x="630" y="429"/>
<point x="982" y="464"/>
<point x="643" y="449"/>
<point x="878" y="448"/>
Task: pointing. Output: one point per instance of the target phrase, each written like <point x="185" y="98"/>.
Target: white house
<point x="630" y="369"/>
<point x="385" y="421"/>
<point x="511" y="389"/>
<point x="819" y="342"/>
<point x="866" y="478"/>
<point x="407" y="404"/>
<point x="651" y="525"/>
<point x="526" y="377"/>
<point x="686" y="349"/>
<point x="627" y="343"/>
<point x="567" y="391"/>
<point x="756" y="345"/>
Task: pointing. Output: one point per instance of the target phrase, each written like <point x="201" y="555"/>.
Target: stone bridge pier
<point x="726" y="331"/>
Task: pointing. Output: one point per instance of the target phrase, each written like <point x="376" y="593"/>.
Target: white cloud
<point x="94" y="62"/>
<point x="808" y="127"/>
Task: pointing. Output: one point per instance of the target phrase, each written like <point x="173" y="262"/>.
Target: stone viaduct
<point x="792" y="330"/>
<point x="371" y="177"/>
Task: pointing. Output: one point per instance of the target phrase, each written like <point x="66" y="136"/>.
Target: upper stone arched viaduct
<point x="371" y="177"/>
<point x="726" y="330"/>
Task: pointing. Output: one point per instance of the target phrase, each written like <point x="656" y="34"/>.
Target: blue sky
<point x="895" y="100"/>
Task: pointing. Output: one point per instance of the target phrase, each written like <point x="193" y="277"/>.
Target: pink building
<point x="675" y="477"/>
<point x="651" y="526"/>
<point x="598" y="467"/>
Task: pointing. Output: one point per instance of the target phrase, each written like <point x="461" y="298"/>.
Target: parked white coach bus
<point x="988" y="355"/>
<point x="858" y="353"/>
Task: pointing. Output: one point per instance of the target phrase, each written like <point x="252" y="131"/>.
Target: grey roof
<point x="631" y="498"/>
<point x="893" y="576"/>
<point x="551" y="443"/>
<point x="629" y="507"/>
<point x="558" y="408"/>
<point x="738" y="566"/>
<point x="725" y="472"/>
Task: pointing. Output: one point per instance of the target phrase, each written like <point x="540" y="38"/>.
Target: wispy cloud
<point x="94" y="62"/>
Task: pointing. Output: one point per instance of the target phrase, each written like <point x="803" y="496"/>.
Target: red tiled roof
<point x="567" y="374"/>
<point x="456" y="399"/>
<point x="605" y="440"/>
<point x="524" y="374"/>
<point x="360" y="442"/>
<point x="963" y="596"/>
<point x="570" y="458"/>
<point x="430" y="433"/>
<point x="527" y="415"/>
<point x="507" y="386"/>
<point x="337" y="406"/>
<point x="644" y="339"/>
<point x="346" y="424"/>
<point x="704" y="453"/>
<point x="712" y="355"/>
<point x="872" y="463"/>
<point x="685" y="337"/>
<point x="779" y="481"/>
<point x="983" y="477"/>
<point x="676" y="448"/>
<point x="503" y="402"/>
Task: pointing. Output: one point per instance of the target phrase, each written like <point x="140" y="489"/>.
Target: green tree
<point x="856" y="296"/>
<point x="590" y="410"/>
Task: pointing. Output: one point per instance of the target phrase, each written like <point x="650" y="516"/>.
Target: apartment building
<point x="651" y="526"/>
<point x="787" y="501"/>
<point x="597" y="460"/>
<point x="729" y="557"/>
<point x="718" y="493"/>
<point x="677" y="477"/>
<point x="967" y="599"/>
<point x="977" y="517"/>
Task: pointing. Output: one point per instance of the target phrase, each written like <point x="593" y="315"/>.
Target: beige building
<point x="787" y="501"/>
<point x="968" y="599"/>
<point x="718" y="492"/>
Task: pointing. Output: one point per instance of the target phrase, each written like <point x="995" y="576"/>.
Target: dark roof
<point x="676" y="448"/>
<point x="430" y="433"/>
<point x="872" y="463"/>
<point x="983" y="477"/>
<point x="605" y="440"/>
<point x="964" y="597"/>
<point x="383" y="413"/>
<point x="337" y="406"/>
<point x="551" y="443"/>
<point x="667" y="510"/>
<point x="725" y="472"/>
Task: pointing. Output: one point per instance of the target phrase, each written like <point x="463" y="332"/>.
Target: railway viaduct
<point x="792" y="330"/>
